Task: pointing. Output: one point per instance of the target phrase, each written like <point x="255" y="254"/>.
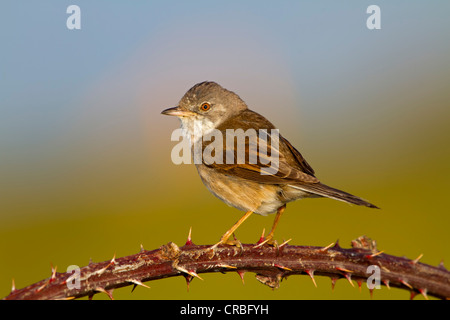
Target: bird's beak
<point x="178" y="112"/>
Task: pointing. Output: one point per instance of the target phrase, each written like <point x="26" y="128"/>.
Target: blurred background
<point x="85" y="167"/>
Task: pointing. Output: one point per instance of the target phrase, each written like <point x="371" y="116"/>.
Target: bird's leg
<point x="275" y="223"/>
<point x="224" y="239"/>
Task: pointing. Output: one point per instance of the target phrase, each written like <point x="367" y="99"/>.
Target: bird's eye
<point x="205" y="106"/>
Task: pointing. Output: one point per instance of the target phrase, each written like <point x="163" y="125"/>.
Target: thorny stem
<point x="271" y="264"/>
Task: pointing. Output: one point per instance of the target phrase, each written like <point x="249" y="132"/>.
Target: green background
<point x="85" y="167"/>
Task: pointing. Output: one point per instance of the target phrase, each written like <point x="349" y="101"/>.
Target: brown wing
<point x="260" y="160"/>
<point x="303" y="165"/>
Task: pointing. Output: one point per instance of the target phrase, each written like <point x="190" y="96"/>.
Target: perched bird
<point x="252" y="185"/>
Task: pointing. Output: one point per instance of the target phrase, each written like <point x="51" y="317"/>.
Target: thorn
<point x="50" y="280"/>
<point x="417" y="259"/>
<point x="325" y="249"/>
<point x="336" y="244"/>
<point x="107" y="292"/>
<point x="333" y="283"/>
<point x="371" y="293"/>
<point x="241" y="275"/>
<point x="134" y="287"/>
<point x="406" y="284"/>
<point x="413" y="295"/>
<point x="91" y="296"/>
<point x="195" y="274"/>
<point x="226" y="266"/>
<point x="261" y="239"/>
<point x="370" y="256"/>
<point x="441" y="265"/>
<point x="386" y="283"/>
<point x="90" y="262"/>
<point x="13" y="287"/>
<point x="348" y="276"/>
<point x="284" y="243"/>
<point x="344" y="270"/>
<point x="191" y="273"/>
<point x="101" y="271"/>
<point x="189" y="239"/>
<point x="188" y="280"/>
<point x="311" y="275"/>
<point x="111" y="263"/>
<point x="138" y="283"/>
<point x="53" y="273"/>
<point x="424" y="293"/>
<point x="282" y="267"/>
<point x="141" y="248"/>
<point x="261" y="244"/>
<point x="359" y="282"/>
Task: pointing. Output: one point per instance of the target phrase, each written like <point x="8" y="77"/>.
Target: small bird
<point x="247" y="185"/>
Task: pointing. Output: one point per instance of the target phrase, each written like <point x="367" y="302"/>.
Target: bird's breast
<point x="239" y="193"/>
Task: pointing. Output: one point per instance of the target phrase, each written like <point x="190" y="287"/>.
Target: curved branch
<point x="270" y="263"/>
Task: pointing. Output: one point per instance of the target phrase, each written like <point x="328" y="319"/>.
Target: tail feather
<point x="329" y="192"/>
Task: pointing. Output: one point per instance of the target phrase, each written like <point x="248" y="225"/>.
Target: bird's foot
<point x="269" y="240"/>
<point x="225" y="240"/>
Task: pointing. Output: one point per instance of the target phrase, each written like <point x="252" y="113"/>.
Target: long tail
<point x="329" y="192"/>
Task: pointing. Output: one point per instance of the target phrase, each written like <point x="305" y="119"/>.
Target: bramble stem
<point x="270" y="264"/>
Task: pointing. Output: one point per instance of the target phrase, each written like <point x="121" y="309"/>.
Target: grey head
<point x="209" y="104"/>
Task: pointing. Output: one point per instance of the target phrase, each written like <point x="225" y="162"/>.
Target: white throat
<point x="195" y="129"/>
